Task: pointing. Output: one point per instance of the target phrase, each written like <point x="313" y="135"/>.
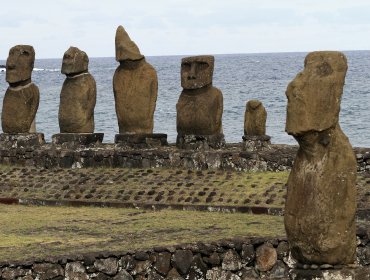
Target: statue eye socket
<point x="185" y="66"/>
<point x="203" y="65"/>
<point x="26" y="53"/>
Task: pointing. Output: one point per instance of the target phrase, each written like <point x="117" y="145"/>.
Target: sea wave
<point x="48" y="70"/>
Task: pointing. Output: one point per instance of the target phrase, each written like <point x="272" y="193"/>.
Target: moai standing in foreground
<point x="255" y="137"/>
<point x="321" y="200"/>
<point x="77" y="101"/>
<point x="21" y="99"/>
<point x="135" y="87"/>
<point x="200" y="106"/>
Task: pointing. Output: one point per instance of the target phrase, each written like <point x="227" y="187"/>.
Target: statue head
<point x="126" y="49"/>
<point x="197" y="71"/>
<point x="75" y="61"/>
<point x="314" y="95"/>
<point x="19" y="64"/>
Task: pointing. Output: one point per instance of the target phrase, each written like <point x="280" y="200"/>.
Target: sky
<point x="185" y="27"/>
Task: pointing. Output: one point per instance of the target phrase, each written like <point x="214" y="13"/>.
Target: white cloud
<point x="167" y="27"/>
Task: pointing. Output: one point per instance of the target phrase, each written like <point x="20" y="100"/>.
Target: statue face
<point x="314" y="95"/>
<point x="19" y="64"/>
<point x="75" y="61"/>
<point x="197" y="71"/>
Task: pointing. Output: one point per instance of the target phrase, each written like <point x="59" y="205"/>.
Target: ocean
<point x="240" y="77"/>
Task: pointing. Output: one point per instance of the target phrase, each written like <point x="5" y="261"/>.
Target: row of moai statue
<point x="321" y="199"/>
<point x="135" y="86"/>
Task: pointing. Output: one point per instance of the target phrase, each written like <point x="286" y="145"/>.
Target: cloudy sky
<point x="169" y="27"/>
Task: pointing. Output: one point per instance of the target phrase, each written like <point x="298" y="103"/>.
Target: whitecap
<point x="48" y="70"/>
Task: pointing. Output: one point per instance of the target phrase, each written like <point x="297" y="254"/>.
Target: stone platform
<point x="141" y="140"/>
<point x="21" y="140"/>
<point x="253" y="143"/>
<point x="200" y="142"/>
<point x="77" y="139"/>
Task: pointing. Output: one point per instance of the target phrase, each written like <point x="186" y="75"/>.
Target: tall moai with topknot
<point x="200" y="106"/>
<point x="255" y="137"/>
<point x="321" y="200"/>
<point x="77" y="102"/>
<point x="21" y="99"/>
<point x="135" y="86"/>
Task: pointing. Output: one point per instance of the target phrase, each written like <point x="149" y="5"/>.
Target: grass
<point x="28" y="232"/>
<point x="169" y="186"/>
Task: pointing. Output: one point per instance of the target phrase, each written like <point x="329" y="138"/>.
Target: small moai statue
<point x="255" y="137"/>
<point x="200" y="106"/>
<point x="321" y="199"/>
<point x="77" y="102"/>
<point x="135" y="86"/>
<point x="21" y="99"/>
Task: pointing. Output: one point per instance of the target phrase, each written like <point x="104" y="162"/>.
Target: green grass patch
<point x="30" y="232"/>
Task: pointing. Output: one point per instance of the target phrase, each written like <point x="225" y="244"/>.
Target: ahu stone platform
<point x="231" y="157"/>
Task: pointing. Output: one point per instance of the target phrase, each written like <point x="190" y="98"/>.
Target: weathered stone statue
<point x="77" y="102"/>
<point x="255" y="137"/>
<point x="78" y="96"/>
<point x="321" y="200"/>
<point x="255" y="118"/>
<point x="200" y="106"/>
<point x="21" y="99"/>
<point x="135" y="86"/>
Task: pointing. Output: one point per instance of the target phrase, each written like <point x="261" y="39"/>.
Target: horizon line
<point x="218" y="54"/>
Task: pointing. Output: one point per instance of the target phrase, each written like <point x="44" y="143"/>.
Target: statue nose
<point x="192" y="73"/>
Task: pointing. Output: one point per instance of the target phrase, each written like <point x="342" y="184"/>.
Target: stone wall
<point x="232" y="157"/>
<point x="255" y="258"/>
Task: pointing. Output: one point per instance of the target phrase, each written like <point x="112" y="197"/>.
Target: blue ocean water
<point x="240" y="77"/>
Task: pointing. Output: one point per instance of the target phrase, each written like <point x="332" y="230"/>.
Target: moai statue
<point x="255" y="118"/>
<point x="255" y="137"/>
<point x="321" y="200"/>
<point x="77" y="101"/>
<point x="135" y="87"/>
<point x="200" y="106"/>
<point x="21" y="99"/>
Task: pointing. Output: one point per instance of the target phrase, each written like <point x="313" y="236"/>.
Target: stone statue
<point x="200" y="106"/>
<point x="255" y="118"/>
<point x="78" y="95"/>
<point x="135" y="87"/>
<point x="77" y="103"/>
<point x="21" y="99"/>
<point x="321" y="200"/>
<point x="255" y="138"/>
